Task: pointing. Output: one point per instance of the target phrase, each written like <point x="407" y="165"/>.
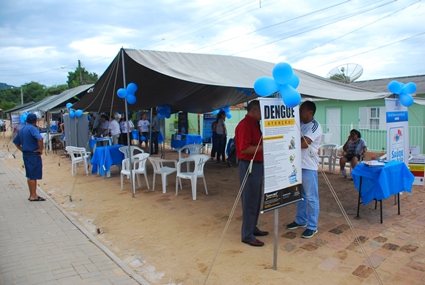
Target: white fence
<point x="376" y="140"/>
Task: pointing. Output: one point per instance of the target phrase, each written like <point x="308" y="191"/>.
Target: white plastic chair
<point x="139" y="167"/>
<point x="191" y="149"/>
<point x="198" y="172"/>
<point x="327" y="151"/>
<point x="134" y="150"/>
<point x="164" y="171"/>
<point x="78" y="155"/>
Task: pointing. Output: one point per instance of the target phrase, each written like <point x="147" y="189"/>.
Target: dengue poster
<point x="282" y="153"/>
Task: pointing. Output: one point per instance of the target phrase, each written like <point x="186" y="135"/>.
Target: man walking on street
<point x="30" y="142"/>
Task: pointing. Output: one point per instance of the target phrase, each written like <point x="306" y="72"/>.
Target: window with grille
<point x="372" y="118"/>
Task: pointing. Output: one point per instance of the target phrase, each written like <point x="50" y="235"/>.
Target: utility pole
<point x="22" y="97"/>
<point x="79" y="70"/>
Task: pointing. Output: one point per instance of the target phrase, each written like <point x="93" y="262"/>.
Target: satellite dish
<point x="345" y="73"/>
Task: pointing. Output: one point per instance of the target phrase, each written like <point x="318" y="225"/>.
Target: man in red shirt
<point x="249" y="146"/>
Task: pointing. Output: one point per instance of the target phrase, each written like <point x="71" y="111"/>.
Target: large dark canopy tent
<point x="198" y="83"/>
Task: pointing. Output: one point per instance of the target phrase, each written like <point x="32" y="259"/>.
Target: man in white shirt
<point x="114" y="128"/>
<point x="143" y="126"/>
<point x="308" y="209"/>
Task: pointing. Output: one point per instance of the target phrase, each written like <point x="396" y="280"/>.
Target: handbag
<point x="350" y="153"/>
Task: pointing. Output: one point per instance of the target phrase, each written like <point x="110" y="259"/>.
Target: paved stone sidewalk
<point x="41" y="244"/>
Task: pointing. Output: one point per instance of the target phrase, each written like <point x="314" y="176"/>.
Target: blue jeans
<point x="308" y="209"/>
<point x="221" y="147"/>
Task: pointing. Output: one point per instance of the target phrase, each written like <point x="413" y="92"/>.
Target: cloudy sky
<point x="43" y="40"/>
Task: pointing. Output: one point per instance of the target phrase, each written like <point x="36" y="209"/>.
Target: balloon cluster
<point x="164" y="111"/>
<point x="128" y="93"/>
<point x="225" y="109"/>
<point x="246" y="91"/>
<point x="403" y="91"/>
<point x="284" y="80"/>
<point x="73" y="113"/>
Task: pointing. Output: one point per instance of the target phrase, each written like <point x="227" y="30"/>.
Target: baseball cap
<point x="31" y="118"/>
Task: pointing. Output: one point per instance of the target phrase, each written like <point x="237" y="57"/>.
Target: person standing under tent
<point x="114" y="128"/>
<point x="103" y="130"/>
<point x="221" y="136"/>
<point x="143" y="126"/>
<point x="30" y="142"/>
<point x="155" y="128"/>
<point x="249" y="146"/>
<point x="308" y="208"/>
<point x="124" y="131"/>
<point x="214" y="138"/>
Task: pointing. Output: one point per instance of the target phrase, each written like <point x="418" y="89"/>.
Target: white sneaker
<point x="344" y="173"/>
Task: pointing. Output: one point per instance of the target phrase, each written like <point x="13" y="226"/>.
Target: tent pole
<point x="133" y="187"/>
<point x="150" y="132"/>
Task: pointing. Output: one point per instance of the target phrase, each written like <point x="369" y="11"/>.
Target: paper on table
<point x="374" y="163"/>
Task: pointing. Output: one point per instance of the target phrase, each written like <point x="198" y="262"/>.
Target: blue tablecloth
<point x="184" y="140"/>
<point x="106" y="156"/>
<point x="383" y="181"/>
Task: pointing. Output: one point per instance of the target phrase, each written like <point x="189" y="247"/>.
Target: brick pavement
<point x="41" y="244"/>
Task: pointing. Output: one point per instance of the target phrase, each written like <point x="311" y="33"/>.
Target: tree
<point x="56" y="89"/>
<point x="80" y="77"/>
<point x="341" y="78"/>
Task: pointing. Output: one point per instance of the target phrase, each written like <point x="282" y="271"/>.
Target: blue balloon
<point x="71" y="113"/>
<point x="160" y="116"/>
<point x="228" y="115"/>
<point x="215" y="112"/>
<point x="290" y="96"/>
<point x="406" y="100"/>
<point x="282" y="73"/>
<point x="409" y="88"/>
<point x="131" y="88"/>
<point x="122" y="93"/>
<point x="239" y="89"/>
<point x="68" y="105"/>
<point x="78" y="113"/>
<point x="131" y="99"/>
<point x="294" y="81"/>
<point x="168" y="115"/>
<point x="226" y="109"/>
<point x="394" y="87"/>
<point x="23" y="118"/>
<point x="265" y="86"/>
<point x="160" y="108"/>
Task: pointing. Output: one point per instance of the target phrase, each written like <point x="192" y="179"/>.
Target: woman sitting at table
<point x="354" y="148"/>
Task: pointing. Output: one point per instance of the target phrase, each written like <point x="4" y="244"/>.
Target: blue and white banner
<point x="397" y="131"/>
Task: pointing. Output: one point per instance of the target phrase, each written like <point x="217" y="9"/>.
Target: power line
<point x="353" y="31"/>
<point x="316" y="27"/>
<point x="280" y="23"/>
<point x="186" y="31"/>
<point x="405" y="39"/>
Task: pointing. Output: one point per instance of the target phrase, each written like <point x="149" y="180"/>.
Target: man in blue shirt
<point x="30" y="142"/>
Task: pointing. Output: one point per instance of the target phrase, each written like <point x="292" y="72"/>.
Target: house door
<point x="333" y="125"/>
